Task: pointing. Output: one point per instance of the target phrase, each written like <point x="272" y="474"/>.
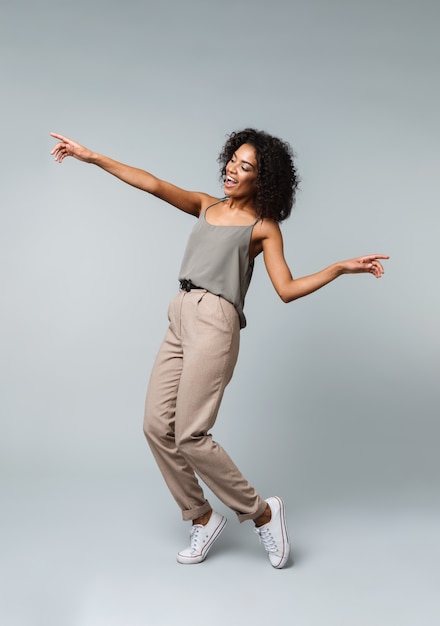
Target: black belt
<point x="187" y="285"/>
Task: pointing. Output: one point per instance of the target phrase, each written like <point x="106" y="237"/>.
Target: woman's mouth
<point x="230" y="182"/>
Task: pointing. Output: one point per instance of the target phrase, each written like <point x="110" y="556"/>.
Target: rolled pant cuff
<point x="243" y="517"/>
<point x="189" y="514"/>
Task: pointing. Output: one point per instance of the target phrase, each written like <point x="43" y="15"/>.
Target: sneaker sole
<point x="188" y="560"/>
<point x="285" y="534"/>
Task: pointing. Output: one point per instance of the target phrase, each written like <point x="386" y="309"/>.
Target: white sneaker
<point x="273" y="535"/>
<point x="202" y="538"/>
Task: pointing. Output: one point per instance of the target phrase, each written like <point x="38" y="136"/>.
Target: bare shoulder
<point x="266" y="233"/>
<point x="267" y="229"/>
<point x="192" y="202"/>
<point x="206" y="200"/>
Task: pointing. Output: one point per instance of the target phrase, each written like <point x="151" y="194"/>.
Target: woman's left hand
<point x="369" y="264"/>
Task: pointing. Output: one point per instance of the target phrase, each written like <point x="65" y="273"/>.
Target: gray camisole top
<point x="217" y="259"/>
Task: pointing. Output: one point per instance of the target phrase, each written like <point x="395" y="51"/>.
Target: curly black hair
<point x="277" y="179"/>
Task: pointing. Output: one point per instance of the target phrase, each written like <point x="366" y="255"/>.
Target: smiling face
<point x="242" y="173"/>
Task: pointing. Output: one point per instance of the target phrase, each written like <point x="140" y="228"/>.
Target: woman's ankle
<point x="264" y="518"/>
<point x="203" y="519"/>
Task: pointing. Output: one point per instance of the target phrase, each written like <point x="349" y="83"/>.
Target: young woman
<point x="200" y="349"/>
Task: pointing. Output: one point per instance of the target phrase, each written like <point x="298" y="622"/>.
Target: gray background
<point x="334" y="404"/>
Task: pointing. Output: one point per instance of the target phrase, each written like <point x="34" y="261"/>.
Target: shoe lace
<point x="195" y="538"/>
<point x="266" y="539"/>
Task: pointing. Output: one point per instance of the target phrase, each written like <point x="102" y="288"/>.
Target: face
<point x="241" y="173"/>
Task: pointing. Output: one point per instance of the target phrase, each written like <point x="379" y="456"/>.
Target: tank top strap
<point x="213" y="204"/>
<point x="222" y="200"/>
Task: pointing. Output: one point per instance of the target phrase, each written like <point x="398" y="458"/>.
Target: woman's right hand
<point x="67" y="147"/>
<point x="191" y="202"/>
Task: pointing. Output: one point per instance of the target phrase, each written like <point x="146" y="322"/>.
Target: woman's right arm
<point x="189" y="201"/>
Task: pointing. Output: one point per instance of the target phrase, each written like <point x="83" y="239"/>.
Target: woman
<point x="200" y="349"/>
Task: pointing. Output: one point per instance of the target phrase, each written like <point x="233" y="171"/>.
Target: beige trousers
<point x="193" y="367"/>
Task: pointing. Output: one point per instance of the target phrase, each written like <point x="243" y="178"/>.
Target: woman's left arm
<point x="289" y="288"/>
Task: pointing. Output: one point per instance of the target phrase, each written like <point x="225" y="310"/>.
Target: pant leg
<point x="159" y="421"/>
<point x="209" y="334"/>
